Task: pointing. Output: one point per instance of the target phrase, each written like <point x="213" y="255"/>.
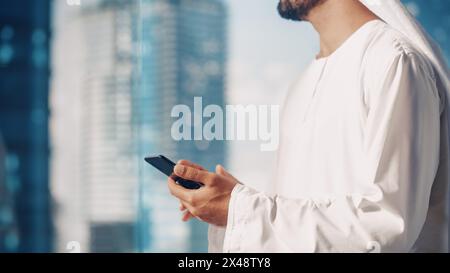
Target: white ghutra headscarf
<point x="395" y="14"/>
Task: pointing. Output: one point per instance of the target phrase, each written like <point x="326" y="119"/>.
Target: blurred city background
<point x="86" y="90"/>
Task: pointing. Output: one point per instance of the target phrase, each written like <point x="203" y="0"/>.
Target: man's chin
<point x="299" y="12"/>
<point x="287" y="12"/>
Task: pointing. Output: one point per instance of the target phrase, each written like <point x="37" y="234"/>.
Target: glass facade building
<point x="101" y="192"/>
<point x="8" y="228"/>
<point x="183" y="55"/>
<point x="107" y="170"/>
<point x="130" y="62"/>
<point x="24" y="69"/>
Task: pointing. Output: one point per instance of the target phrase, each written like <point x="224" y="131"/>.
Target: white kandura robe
<point x="363" y="160"/>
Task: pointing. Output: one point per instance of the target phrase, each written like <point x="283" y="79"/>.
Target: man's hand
<point x="210" y="202"/>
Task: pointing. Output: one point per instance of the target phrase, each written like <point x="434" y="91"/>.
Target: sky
<point x="266" y="54"/>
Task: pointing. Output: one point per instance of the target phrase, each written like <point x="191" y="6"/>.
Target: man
<point x="363" y="161"/>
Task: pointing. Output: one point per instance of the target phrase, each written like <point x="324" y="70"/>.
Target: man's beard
<point x="297" y="10"/>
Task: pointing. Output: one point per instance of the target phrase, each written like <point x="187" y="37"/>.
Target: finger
<point x="182" y="207"/>
<point x="178" y="191"/>
<point x="193" y="174"/>
<point x="187" y="216"/>
<point x="221" y="170"/>
<point x="190" y="164"/>
<point x="187" y="213"/>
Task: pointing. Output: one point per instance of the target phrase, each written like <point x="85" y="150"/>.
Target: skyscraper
<point x="201" y="28"/>
<point x="120" y="67"/>
<point x="94" y="177"/>
<point x="8" y="229"/>
<point x="24" y="81"/>
<point x="183" y="55"/>
<point x="108" y="172"/>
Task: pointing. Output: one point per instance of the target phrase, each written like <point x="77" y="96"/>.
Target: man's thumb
<point x="221" y="170"/>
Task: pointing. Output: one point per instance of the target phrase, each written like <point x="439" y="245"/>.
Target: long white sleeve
<point x="401" y="147"/>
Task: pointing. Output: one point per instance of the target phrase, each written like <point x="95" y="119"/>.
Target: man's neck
<point x="336" y="21"/>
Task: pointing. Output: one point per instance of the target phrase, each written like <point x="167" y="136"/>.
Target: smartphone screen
<point x="165" y="165"/>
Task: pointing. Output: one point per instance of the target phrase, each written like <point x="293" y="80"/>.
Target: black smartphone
<point x="165" y="165"/>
